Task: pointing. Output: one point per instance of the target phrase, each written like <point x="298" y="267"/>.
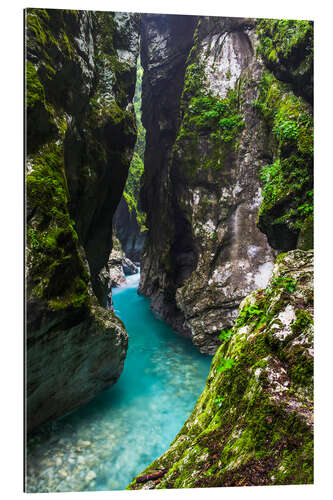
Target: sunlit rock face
<point x="80" y="75"/>
<point x="204" y="252"/>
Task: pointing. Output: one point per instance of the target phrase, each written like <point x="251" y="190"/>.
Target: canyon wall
<point x="228" y="163"/>
<point x="81" y="131"/>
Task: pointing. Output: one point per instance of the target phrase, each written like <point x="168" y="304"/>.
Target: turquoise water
<point x="103" y="445"/>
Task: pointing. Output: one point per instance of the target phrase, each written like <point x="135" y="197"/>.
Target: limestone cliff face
<point x="214" y="255"/>
<point x="235" y="183"/>
<point x="253" y="424"/>
<point x="80" y="79"/>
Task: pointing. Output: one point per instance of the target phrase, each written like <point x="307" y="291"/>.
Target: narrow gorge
<point x="172" y="154"/>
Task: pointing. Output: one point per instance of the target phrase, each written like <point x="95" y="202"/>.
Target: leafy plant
<point x="225" y="335"/>
<point x="226" y="364"/>
<point x="289" y="284"/>
<point x="208" y="112"/>
<point x="33" y="239"/>
<point x="285" y="129"/>
<point x="249" y="314"/>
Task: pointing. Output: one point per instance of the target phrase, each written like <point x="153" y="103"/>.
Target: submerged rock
<point x="253" y="423"/>
<point x="80" y="76"/>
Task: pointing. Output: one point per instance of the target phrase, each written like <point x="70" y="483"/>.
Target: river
<point x="104" y="444"/>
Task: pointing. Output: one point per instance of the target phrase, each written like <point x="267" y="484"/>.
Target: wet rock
<point x="129" y="267"/>
<point x="117" y="275"/>
<point x="128" y="231"/>
<point x="84" y="444"/>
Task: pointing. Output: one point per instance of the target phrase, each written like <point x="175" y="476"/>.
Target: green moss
<point x="287" y="49"/>
<point x="288" y="181"/>
<point x="53" y="257"/>
<point x="206" y="117"/>
<point x="36" y="19"/>
<point x="305" y="239"/>
<point x="296" y="464"/>
<point x="303" y="319"/>
<point x="53" y="30"/>
<point x="35" y="90"/>
<point x="283" y="37"/>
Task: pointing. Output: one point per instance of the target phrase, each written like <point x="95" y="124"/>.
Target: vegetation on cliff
<point x="57" y="273"/>
<point x="132" y="188"/>
<point x="286" y="213"/>
<point x="204" y="114"/>
<point x="229" y="159"/>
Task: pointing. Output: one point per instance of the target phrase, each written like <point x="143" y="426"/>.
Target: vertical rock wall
<point x="165" y="44"/>
<point x="214" y="254"/>
<point x="229" y="162"/>
<point x="80" y="79"/>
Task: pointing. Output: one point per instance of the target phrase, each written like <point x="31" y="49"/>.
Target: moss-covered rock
<point x="287" y="48"/>
<point x="75" y="347"/>
<point x="285" y="103"/>
<point x="288" y="181"/>
<point x="253" y="423"/>
<point x="129" y="219"/>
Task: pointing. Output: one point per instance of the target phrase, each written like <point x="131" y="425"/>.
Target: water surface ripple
<point x="103" y="445"/>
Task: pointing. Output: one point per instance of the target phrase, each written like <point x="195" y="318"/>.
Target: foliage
<point x="288" y="181"/>
<point x="225" y="335"/>
<point x="226" y="364"/>
<point x="250" y="313"/>
<point x="288" y="284"/>
<point x="205" y="118"/>
<point x="209" y="113"/>
<point x="219" y="401"/>
<point x="132" y="188"/>
<point x="283" y="38"/>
